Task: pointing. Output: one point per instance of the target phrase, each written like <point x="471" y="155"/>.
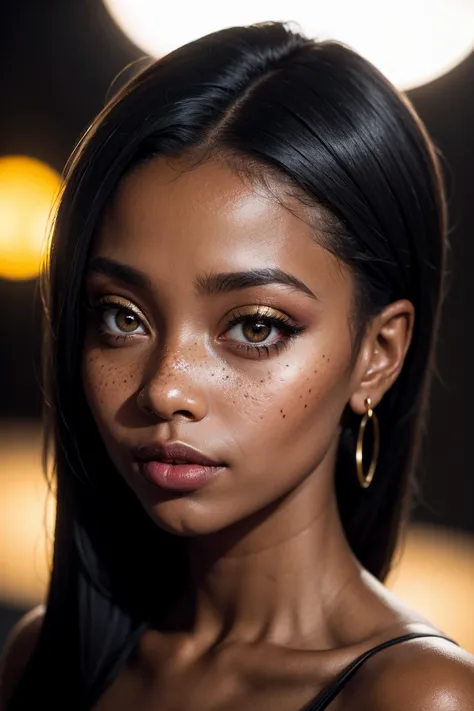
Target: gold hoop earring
<point x="366" y="479"/>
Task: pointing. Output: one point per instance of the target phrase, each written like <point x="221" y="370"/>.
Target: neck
<point x="275" y="578"/>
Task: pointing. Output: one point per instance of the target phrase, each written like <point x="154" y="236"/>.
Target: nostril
<point x="142" y="404"/>
<point x="184" y="413"/>
<point x="166" y="403"/>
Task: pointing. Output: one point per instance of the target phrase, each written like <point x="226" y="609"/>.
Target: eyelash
<point x="290" y="330"/>
<point x="282" y="323"/>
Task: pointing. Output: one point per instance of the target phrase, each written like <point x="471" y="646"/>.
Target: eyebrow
<point x="205" y="285"/>
<point x="119" y="272"/>
<point x="230" y="281"/>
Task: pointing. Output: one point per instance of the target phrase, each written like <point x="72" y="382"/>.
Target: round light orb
<point x="28" y="189"/>
<point x="411" y="41"/>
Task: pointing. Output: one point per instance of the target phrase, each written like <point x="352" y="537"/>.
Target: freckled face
<point x="255" y="377"/>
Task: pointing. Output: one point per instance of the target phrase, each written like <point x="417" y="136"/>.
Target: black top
<point x="322" y="700"/>
<point x="328" y="694"/>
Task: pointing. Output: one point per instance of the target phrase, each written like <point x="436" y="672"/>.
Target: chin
<point x="203" y="512"/>
<point x="185" y="513"/>
<point x="185" y="518"/>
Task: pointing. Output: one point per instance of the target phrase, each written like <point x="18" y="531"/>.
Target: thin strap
<point x="328" y="694"/>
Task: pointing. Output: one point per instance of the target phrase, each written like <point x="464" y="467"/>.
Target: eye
<point x="255" y="330"/>
<point x="120" y="317"/>
<point x="261" y="331"/>
<point x="116" y="319"/>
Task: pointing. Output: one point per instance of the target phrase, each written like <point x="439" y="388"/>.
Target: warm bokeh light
<point x="411" y="41"/>
<point x="435" y="574"/>
<point x="28" y="189"/>
<point x="26" y="516"/>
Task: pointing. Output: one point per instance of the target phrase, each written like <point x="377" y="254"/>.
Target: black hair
<point x="329" y="124"/>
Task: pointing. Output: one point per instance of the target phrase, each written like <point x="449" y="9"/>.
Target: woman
<point x="242" y="299"/>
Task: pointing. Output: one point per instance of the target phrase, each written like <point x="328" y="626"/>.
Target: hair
<point x="272" y="102"/>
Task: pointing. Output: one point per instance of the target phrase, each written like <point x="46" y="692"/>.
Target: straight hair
<point x="326" y="122"/>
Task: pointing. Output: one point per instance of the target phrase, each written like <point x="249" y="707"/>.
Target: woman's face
<point x="253" y="370"/>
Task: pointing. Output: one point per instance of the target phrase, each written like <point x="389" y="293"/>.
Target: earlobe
<point x="383" y="353"/>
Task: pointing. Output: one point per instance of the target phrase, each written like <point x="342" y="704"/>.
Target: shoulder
<point x="18" y="649"/>
<point x="432" y="674"/>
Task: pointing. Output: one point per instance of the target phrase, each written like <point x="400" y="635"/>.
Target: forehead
<point x="167" y="218"/>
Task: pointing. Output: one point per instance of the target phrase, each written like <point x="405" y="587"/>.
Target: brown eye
<point x="125" y="321"/>
<point x="116" y="320"/>
<point x="256" y="331"/>
<point x="262" y="331"/>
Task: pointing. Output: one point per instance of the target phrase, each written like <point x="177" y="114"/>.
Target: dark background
<point x="58" y="59"/>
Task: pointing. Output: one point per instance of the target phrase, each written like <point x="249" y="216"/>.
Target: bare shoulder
<point x="18" y="649"/>
<point x="431" y="674"/>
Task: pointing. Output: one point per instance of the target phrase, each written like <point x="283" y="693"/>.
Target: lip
<point x="178" y="477"/>
<point x="176" y="466"/>
<point x="169" y="452"/>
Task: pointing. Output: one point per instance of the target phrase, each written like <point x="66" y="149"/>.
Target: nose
<point x="173" y="390"/>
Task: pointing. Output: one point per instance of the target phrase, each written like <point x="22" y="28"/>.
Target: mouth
<point x="174" y="453"/>
<point x="176" y="466"/>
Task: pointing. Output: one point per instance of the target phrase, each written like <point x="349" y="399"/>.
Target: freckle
<point x="261" y="381"/>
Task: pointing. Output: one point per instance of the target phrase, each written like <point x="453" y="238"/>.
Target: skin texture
<point x="201" y="385"/>
<point x="280" y="604"/>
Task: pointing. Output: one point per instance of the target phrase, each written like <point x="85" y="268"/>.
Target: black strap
<point x="328" y="694"/>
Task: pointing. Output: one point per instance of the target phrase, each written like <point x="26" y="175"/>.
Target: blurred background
<point x="59" y="61"/>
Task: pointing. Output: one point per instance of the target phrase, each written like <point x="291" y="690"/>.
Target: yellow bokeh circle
<point x="28" y="192"/>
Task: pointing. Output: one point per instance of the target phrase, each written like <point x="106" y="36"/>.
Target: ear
<point x="382" y="354"/>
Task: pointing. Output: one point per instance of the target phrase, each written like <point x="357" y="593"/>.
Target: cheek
<point x="107" y="385"/>
<point x="292" y="415"/>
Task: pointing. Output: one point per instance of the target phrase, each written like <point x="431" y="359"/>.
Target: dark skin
<point x="281" y="605"/>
